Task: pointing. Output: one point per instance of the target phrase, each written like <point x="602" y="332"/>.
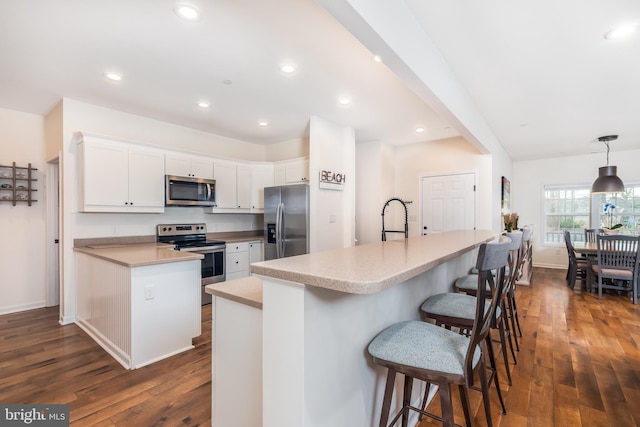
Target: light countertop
<point x="246" y="290"/>
<point x="137" y="255"/>
<point x="374" y="267"/>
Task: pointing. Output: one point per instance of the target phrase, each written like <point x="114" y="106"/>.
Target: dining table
<point x="590" y="251"/>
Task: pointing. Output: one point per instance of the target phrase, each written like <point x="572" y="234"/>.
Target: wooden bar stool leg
<point x="388" y="393"/>
<point x="445" y="401"/>
<point x="406" y="399"/>
<point x="464" y="398"/>
<point x="485" y="391"/>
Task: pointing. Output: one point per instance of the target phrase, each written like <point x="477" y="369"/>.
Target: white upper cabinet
<point x="291" y="172"/>
<point x="226" y="185"/>
<point x="189" y="166"/>
<point x="233" y="186"/>
<point x="261" y="177"/>
<point x="120" y="177"/>
<point x="243" y="189"/>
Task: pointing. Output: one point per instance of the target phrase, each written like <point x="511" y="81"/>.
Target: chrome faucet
<point x="406" y="219"/>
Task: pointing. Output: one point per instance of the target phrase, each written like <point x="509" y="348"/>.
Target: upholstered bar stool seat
<point x="436" y="355"/>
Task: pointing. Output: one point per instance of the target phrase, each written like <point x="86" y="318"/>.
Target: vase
<point x="610" y="232"/>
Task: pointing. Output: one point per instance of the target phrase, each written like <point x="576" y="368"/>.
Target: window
<point x="627" y="211"/>
<point x="566" y="208"/>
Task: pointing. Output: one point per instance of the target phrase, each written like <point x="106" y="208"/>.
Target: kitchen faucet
<point x="406" y="219"/>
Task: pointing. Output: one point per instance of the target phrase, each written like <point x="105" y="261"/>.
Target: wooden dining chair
<point x="578" y="266"/>
<point x="617" y="262"/>
<point x="591" y="233"/>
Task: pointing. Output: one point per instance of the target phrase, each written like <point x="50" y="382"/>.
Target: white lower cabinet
<point x="256" y="252"/>
<point x="237" y="260"/>
<point x="240" y="256"/>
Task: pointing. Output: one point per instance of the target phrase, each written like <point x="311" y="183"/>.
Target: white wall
<point x="529" y="180"/>
<point x="290" y="149"/>
<point x="331" y="148"/>
<point x="23" y="227"/>
<point x="375" y="175"/>
<point x="448" y="155"/>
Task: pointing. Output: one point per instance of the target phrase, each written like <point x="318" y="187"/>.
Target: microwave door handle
<point x="208" y="191"/>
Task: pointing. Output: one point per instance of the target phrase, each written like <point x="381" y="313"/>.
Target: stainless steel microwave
<point x="187" y="191"/>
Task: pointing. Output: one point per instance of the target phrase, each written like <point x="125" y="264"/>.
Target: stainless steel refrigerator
<point x="286" y="221"/>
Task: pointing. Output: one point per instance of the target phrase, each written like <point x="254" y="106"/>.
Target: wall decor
<point x="506" y="195"/>
<point x="331" y="180"/>
<point x="16" y="184"/>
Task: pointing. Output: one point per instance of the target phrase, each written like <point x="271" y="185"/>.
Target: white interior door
<point x="448" y="202"/>
<point x="53" y="232"/>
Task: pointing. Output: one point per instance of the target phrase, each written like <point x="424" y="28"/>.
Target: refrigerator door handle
<point x="283" y="235"/>
<point x="278" y="230"/>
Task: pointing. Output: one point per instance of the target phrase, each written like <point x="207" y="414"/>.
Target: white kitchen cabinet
<point x="261" y="177"/>
<point x="233" y="187"/>
<point x="256" y="252"/>
<point x="189" y="166"/>
<point x="291" y="171"/>
<point x="120" y="177"/>
<point x="243" y="188"/>
<point x="237" y="263"/>
<point x="226" y="185"/>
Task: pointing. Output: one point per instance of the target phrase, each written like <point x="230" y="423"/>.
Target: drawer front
<point x="237" y="247"/>
<point x="237" y="261"/>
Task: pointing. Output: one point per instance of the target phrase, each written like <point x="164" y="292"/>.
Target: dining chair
<point x="578" y="266"/>
<point x="591" y="233"/>
<point x="617" y="262"/>
<point x="439" y="356"/>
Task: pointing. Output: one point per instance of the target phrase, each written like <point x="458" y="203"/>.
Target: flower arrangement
<point x="510" y="222"/>
<point x="608" y="210"/>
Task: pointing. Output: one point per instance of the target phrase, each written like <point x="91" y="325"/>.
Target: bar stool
<point x="468" y="285"/>
<point x="457" y="310"/>
<point x="440" y="356"/>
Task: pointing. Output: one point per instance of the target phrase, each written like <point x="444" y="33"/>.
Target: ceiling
<point x="540" y="74"/>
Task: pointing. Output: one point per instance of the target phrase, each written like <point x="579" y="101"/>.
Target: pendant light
<point x="607" y="181"/>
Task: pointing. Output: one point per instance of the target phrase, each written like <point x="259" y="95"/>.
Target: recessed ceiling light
<point x="113" y="76"/>
<point x="420" y="130"/>
<point x="263" y="123"/>
<point x="227" y="82"/>
<point x="344" y="101"/>
<point x="187" y="12"/>
<point x="204" y="104"/>
<point x="621" y="32"/>
<point x="288" y="68"/>
<point x="376" y="58"/>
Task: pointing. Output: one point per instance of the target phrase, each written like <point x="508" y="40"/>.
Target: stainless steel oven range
<point x="193" y="238"/>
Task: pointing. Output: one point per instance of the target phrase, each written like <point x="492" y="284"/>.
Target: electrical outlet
<point x="116" y="231"/>
<point x="332" y="218"/>
<point x="149" y="291"/>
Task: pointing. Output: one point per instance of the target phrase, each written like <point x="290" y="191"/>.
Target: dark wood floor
<point x="43" y="362"/>
<point x="579" y="361"/>
<point x="579" y="365"/>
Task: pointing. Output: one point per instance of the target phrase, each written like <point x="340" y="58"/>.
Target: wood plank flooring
<point x="43" y="362"/>
<point x="578" y="365"/>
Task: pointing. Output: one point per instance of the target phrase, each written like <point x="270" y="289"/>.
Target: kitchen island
<point x="140" y="302"/>
<point x="321" y="310"/>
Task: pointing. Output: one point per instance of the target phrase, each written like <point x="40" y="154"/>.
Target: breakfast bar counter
<point x="321" y="310"/>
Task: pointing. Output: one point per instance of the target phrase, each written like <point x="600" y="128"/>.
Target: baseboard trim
<point x="22" y="307"/>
